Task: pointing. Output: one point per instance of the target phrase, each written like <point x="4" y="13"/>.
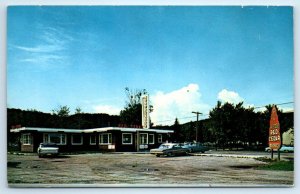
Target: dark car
<point x="169" y="149"/>
<point x="195" y="147"/>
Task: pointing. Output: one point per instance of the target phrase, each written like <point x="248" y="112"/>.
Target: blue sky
<point x="187" y="58"/>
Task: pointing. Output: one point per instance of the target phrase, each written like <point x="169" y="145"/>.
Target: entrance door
<point x="143" y="140"/>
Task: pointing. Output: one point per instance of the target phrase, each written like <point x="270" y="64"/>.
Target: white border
<point x="151" y="2"/>
<point x="3" y="183"/>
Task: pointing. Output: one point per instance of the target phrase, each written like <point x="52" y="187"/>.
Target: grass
<point x="276" y="165"/>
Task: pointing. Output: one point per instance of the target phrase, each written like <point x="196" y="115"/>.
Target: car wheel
<point x="169" y="154"/>
<point x="157" y="155"/>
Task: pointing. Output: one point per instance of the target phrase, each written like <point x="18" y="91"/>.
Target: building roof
<point x="104" y="129"/>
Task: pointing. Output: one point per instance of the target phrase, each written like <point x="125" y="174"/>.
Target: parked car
<point x="169" y="149"/>
<point x="283" y="148"/>
<point x="195" y="147"/>
<point x="46" y="149"/>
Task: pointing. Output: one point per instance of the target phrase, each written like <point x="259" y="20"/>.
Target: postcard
<point x="150" y="96"/>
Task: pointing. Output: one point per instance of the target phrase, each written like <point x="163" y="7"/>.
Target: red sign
<point x="129" y="126"/>
<point x="274" y="131"/>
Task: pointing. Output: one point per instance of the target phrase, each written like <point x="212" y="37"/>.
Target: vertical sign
<point x="274" y="131"/>
<point x="145" y="111"/>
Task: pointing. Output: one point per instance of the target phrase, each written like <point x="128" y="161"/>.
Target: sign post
<point x="274" y="133"/>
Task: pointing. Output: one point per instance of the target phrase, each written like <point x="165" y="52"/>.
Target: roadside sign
<point x="274" y="131"/>
<point x="145" y="111"/>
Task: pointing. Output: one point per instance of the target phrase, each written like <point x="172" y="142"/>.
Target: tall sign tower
<point x="145" y="111"/>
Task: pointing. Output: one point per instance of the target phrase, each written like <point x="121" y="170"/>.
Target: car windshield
<point x="48" y="145"/>
<point x="164" y="146"/>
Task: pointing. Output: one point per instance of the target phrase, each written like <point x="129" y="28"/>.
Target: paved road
<point x="247" y="154"/>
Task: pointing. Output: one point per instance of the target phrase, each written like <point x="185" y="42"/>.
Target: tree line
<point x="228" y="125"/>
<point x="59" y="118"/>
<point x="233" y="126"/>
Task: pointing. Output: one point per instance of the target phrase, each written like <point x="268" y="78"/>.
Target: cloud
<point x="108" y="109"/>
<point x="234" y="98"/>
<point x="177" y="104"/>
<point x="43" y="58"/>
<point x="51" y="40"/>
<point x="48" y="49"/>
<point x="229" y="96"/>
<point x="40" y="48"/>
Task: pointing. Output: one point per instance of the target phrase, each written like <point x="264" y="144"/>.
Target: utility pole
<point x="197" y="113"/>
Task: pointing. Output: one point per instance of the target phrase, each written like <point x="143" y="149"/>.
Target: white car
<point x="282" y="149"/>
<point x="46" y="149"/>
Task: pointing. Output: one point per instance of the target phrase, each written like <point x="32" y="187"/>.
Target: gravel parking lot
<point x="131" y="169"/>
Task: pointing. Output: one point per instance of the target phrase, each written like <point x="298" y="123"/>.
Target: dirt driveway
<point x="141" y="170"/>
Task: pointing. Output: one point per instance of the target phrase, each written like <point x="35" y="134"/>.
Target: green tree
<point x="132" y="112"/>
<point x="78" y="110"/>
<point x="78" y="118"/>
<point x="178" y="136"/>
<point x="188" y="132"/>
<point x="230" y="123"/>
<point x="62" y="114"/>
<point x="61" y="111"/>
<point x="217" y="125"/>
<point x="286" y="121"/>
<point x="234" y="125"/>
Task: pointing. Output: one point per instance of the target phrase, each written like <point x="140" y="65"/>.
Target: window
<point x="126" y="138"/>
<point x="56" y="138"/>
<point x="77" y="139"/>
<point x="105" y="138"/>
<point x="151" y="139"/>
<point x="144" y="138"/>
<point x="159" y="138"/>
<point x="26" y="139"/>
<point x="93" y="139"/>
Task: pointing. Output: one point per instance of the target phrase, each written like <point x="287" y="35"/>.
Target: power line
<point x="180" y="118"/>
<point x="275" y="104"/>
<point x="173" y="119"/>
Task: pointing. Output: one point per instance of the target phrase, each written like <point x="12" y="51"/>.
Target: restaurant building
<point x="107" y="139"/>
